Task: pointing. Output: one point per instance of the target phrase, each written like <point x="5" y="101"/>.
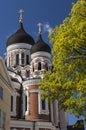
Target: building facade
<point x="5" y="97"/>
<point x="26" y="61"/>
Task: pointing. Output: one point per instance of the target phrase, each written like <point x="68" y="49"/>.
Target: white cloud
<point x="47" y="27"/>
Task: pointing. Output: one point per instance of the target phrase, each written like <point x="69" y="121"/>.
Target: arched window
<point x="39" y="66"/>
<point x="17" y="59"/>
<point x="46" y="66"/>
<point x="22" y="58"/>
<point x="27" y="73"/>
<point x="27" y="59"/>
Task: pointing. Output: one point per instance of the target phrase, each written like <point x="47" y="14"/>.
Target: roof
<point x="20" y="37"/>
<point x="40" y="46"/>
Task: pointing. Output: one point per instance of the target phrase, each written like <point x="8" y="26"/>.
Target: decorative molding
<point x="18" y="46"/>
<point x="46" y="125"/>
<point x="14" y="129"/>
<point x="16" y="85"/>
<point x="34" y="91"/>
<point x="40" y="54"/>
<point x="29" y="124"/>
<point x="42" y="59"/>
<point x="29" y="82"/>
<point x="15" y="52"/>
<point x="15" y="76"/>
<point x="21" y="124"/>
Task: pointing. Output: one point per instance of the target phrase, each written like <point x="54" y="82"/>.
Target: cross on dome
<point x="40" y="27"/>
<point x="21" y="12"/>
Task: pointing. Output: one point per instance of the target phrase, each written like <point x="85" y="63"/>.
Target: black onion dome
<point x="20" y="37"/>
<point x="40" y="46"/>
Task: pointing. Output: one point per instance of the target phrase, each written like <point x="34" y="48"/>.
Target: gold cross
<point x="40" y="27"/>
<point x="21" y="12"/>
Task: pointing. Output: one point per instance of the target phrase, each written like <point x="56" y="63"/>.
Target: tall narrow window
<point x="39" y="66"/>
<point x="27" y="73"/>
<point x="3" y="120"/>
<point x="27" y="59"/>
<point x="22" y="58"/>
<point x="17" y="59"/>
<point x="11" y="103"/>
<point x="43" y="104"/>
<point x="25" y="103"/>
<point x="1" y="93"/>
<point x="46" y="66"/>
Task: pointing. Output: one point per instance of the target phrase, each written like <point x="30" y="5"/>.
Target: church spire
<point x="40" y="28"/>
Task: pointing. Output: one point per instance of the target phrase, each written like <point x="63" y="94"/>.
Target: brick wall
<point x="33" y="106"/>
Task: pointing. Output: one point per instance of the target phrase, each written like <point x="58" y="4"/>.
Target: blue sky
<point x="51" y="12"/>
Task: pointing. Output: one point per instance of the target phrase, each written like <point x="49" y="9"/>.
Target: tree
<point x="67" y="81"/>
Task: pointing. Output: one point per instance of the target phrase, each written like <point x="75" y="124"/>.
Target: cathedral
<point x="26" y="61"/>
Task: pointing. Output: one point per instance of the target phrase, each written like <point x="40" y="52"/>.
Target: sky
<point x="50" y="13"/>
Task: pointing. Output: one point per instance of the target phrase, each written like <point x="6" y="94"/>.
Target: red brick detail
<point x="33" y="87"/>
<point x="12" y="59"/>
<point x="33" y="106"/>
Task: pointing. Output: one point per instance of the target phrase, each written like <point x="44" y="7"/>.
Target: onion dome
<point x="40" y="45"/>
<point x="20" y="36"/>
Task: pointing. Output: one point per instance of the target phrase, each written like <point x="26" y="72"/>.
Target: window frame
<point x="17" y="59"/>
<point x="40" y="110"/>
<point x="43" y="104"/>
<point x="3" y="120"/>
<point x="1" y="92"/>
<point x="39" y="66"/>
<point x="27" y="60"/>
